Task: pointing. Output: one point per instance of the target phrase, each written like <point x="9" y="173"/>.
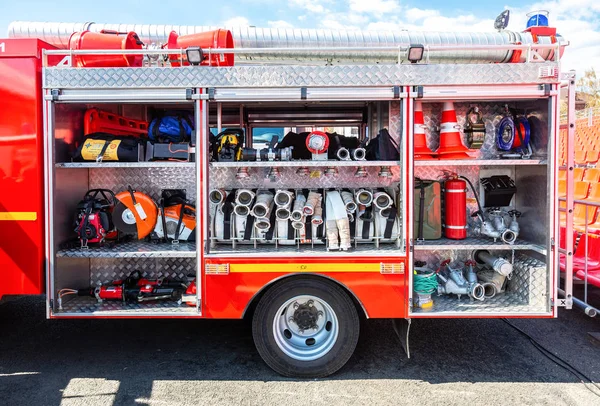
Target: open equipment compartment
<point x="100" y="265"/>
<point x="365" y="118"/>
<point x="528" y="288"/>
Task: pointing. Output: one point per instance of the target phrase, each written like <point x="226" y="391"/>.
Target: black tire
<point x="332" y="361"/>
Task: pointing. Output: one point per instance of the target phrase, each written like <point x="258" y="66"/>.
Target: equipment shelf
<point x="507" y="303"/>
<point x="473" y="243"/>
<point x="247" y="164"/>
<point x="152" y="164"/>
<point x="78" y="305"/>
<point x="489" y="162"/>
<point x="305" y="250"/>
<point x="133" y="249"/>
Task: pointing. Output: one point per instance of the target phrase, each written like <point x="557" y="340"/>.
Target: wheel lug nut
<point x="310" y="303"/>
<point x="291" y="320"/>
<point x="320" y="313"/>
<point x="296" y="305"/>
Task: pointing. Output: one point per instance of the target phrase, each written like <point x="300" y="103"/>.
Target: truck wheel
<point x="305" y="328"/>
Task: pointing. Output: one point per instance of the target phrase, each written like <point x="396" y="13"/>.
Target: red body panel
<point x="21" y="168"/>
<point x="381" y="295"/>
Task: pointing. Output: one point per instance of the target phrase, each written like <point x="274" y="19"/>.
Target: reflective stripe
<point x="455" y="227"/>
<point x="18" y="215"/>
<point x="456" y="190"/>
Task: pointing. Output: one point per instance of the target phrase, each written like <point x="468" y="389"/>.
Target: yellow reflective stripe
<point x="300" y="267"/>
<point x="18" y="215"/>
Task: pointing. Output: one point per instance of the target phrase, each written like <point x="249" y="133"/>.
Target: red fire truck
<point x="417" y="177"/>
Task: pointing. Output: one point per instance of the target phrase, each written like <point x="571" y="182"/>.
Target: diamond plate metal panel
<point x="288" y="178"/>
<point x="294" y="76"/>
<point x="133" y="249"/>
<point x="103" y="271"/>
<point x="147" y="180"/>
<point x="530" y="281"/>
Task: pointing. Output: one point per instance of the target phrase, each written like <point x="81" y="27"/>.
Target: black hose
<point x="480" y="212"/>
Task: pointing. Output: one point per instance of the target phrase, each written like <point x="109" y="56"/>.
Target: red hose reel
<point x="317" y="143"/>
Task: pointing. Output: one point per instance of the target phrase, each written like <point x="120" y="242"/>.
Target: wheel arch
<point x="249" y="309"/>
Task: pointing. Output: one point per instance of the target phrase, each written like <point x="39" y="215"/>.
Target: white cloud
<point x="413" y="14"/>
<point x="237" y="22"/>
<point x="374" y="6"/>
<point x="313" y="6"/>
<point x="279" y="24"/>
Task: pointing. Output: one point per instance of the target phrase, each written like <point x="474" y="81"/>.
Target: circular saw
<point x="135" y="213"/>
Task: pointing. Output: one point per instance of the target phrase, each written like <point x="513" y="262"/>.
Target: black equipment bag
<point x="107" y="147"/>
<point x="382" y="147"/>
<point x="298" y="141"/>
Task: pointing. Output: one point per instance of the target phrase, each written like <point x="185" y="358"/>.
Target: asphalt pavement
<point x="210" y="362"/>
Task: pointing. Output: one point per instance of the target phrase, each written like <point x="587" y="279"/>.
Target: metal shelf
<point x="81" y="305"/>
<point x="270" y="250"/>
<point x="507" y="303"/>
<point x="480" y="162"/>
<point x="151" y="164"/>
<point x="328" y="163"/>
<point x="472" y="243"/>
<point x="135" y="249"/>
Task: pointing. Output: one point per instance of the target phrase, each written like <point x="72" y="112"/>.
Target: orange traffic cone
<point x="451" y="146"/>
<point x="421" y="150"/>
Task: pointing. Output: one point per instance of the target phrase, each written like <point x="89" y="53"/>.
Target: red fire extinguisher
<point x="455" y="208"/>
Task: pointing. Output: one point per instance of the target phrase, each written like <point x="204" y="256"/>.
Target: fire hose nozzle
<point x="348" y="199"/>
<point x="498" y="264"/>
<point x="283" y="198"/>
<point x="364" y="197"/>
<point x="262" y="224"/>
<point x="359" y="154"/>
<point x="312" y="201"/>
<point x="282" y="213"/>
<point x="217" y="196"/>
<point x="382" y="200"/>
<point x="244" y="197"/>
<point x="263" y="205"/>
<point x="343" y="154"/>
<point x="241" y="211"/>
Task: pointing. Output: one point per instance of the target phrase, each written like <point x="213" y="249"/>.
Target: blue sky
<point x="577" y="20"/>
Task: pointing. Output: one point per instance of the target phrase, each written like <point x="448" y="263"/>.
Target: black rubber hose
<point x="480" y="212"/>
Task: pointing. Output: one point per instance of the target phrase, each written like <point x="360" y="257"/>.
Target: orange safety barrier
<point x="96" y="120"/>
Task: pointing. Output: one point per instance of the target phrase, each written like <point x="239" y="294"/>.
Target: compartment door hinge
<point x="54" y="93"/>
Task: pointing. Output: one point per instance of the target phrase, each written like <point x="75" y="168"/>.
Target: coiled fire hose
<point x="425" y="283"/>
<point x="506" y="136"/>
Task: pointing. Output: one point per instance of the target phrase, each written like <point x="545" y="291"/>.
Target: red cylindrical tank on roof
<point x="455" y="209"/>
<point x="217" y="39"/>
<point x="105" y="40"/>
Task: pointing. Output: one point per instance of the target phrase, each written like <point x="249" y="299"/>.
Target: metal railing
<point x="401" y="52"/>
<point x="583" y="238"/>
